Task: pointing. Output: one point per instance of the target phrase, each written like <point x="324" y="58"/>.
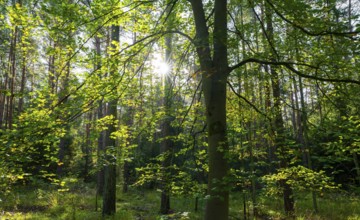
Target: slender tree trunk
<point x="100" y="114"/>
<point x="299" y="121"/>
<point x="278" y="125"/>
<point x="23" y="74"/>
<point x="279" y="142"/>
<point x="271" y="147"/>
<point x="22" y="85"/>
<point x="87" y="148"/>
<point x="51" y="71"/>
<point x="100" y="152"/>
<point x="64" y="142"/>
<point x="167" y="144"/>
<point x="3" y="98"/>
<point x="126" y="166"/>
<point x="354" y="154"/>
<point x="10" y="99"/>
<point x="109" y="193"/>
<point x="166" y="150"/>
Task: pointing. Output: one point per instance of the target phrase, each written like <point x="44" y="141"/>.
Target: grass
<point x="331" y="206"/>
<point x="32" y="203"/>
<point x="79" y="203"/>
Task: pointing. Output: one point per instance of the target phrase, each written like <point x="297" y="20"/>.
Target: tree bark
<point x="304" y="140"/>
<point x="12" y="68"/>
<point x="100" y="114"/>
<point x="278" y="124"/>
<point x="3" y="97"/>
<point x="64" y="142"/>
<point x="51" y="71"/>
<point x="87" y="148"/>
<point x="22" y="84"/>
<point x="214" y="76"/>
<point x="279" y="142"/>
<point x="167" y="144"/>
<point x="109" y="193"/>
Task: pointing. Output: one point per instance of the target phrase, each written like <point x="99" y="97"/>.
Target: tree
<point x="109" y="193"/>
<point x="167" y="131"/>
<point x="214" y="68"/>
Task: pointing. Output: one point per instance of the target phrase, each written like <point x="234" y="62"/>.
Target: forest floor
<point x="80" y="202"/>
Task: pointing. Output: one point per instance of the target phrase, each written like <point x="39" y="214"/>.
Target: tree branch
<point x="248" y="102"/>
<point x="349" y="34"/>
<point x="180" y="33"/>
<point x="289" y="66"/>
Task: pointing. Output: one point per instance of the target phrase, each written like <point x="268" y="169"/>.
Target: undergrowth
<point x="78" y="201"/>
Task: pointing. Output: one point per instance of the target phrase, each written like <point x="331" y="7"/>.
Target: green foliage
<point x="299" y="178"/>
<point x="8" y="177"/>
<point x="32" y="146"/>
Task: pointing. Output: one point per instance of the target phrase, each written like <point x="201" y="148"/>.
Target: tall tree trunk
<point x="12" y="68"/>
<point x="354" y="154"/>
<point x="304" y="140"/>
<point x="87" y="148"/>
<point x="22" y="84"/>
<point x="100" y="114"/>
<point x="167" y="144"/>
<point x="64" y="141"/>
<point x="109" y="193"/>
<point x="280" y="141"/>
<point x="3" y="97"/>
<point x="214" y="76"/>
<point x="278" y="124"/>
<point x="299" y="128"/>
<point x="51" y="71"/>
<point x="23" y="74"/>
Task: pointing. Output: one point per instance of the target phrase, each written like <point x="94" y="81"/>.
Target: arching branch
<point x="290" y="66"/>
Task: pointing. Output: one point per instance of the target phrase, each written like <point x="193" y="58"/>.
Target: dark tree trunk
<point x="51" y="72"/>
<point x="3" y="97"/>
<point x="279" y="142"/>
<point x="214" y="76"/>
<point x="100" y="152"/>
<point x="109" y="193"/>
<point x="87" y="150"/>
<point x="303" y="138"/>
<point x="278" y="123"/>
<point x="10" y="99"/>
<point x="167" y="144"/>
<point x="64" y="141"/>
<point x="22" y="85"/>
<point x="100" y="114"/>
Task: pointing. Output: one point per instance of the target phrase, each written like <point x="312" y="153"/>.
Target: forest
<point x="180" y="109"/>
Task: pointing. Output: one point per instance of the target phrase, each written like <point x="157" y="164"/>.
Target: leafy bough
<point x="299" y="178"/>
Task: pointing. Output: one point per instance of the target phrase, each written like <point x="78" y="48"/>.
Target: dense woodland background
<point x="241" y="109"/>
